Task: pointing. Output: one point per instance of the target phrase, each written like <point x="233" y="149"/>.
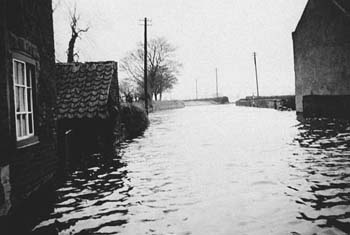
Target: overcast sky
<point x="207" y="33"/>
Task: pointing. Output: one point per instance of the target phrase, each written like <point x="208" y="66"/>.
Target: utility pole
<point x="145" y="68"/>
<point x="216" y="75"/>
<point x="256" y="76"/>
<point x="145" y="65"/>
<point x="196" y="91"/>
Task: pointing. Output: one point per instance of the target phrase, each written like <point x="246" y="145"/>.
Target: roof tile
<point x="83" y="88"/>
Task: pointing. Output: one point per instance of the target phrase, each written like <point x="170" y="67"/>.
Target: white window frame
<point x="26" y="111"/>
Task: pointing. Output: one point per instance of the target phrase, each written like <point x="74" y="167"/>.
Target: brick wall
<point x="30" y="30"/>
<point x="4" y="124"/>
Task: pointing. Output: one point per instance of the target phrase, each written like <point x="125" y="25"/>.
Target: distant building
<point x="322" y="58"/>
<point x="28" y="157"/>
<point x="87" y="108"/>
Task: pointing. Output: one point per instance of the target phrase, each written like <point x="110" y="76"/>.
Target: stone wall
<point x="214" y="100"/>
<point x="272" y="102"/>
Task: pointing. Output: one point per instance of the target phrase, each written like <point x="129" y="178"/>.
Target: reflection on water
<point x="214" y="170"/>
<point x="92" y="198"/>
<point x="324" y="163"/>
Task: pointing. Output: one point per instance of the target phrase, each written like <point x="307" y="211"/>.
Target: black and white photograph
<point x="175" y="117"/>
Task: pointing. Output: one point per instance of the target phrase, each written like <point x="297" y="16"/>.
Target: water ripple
<point x="214" y="170"/>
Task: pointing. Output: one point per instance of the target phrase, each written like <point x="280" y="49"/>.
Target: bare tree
<point x="162" y="67"/>
<point x="164" y="81"/>
<point x="76" y="33"/>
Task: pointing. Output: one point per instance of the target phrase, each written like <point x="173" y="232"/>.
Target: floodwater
<point x="215" y="170"/>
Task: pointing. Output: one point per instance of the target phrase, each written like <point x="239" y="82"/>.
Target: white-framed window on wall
<point x="23" y="80"/>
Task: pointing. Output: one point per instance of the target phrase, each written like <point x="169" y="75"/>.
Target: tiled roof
<point x="83" y="89"/>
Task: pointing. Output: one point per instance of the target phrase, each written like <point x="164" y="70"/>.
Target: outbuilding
<point x="87" y="109"/>
<point x="322" y="59"/>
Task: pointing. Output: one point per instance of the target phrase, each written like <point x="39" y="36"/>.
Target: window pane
<point x="18" y="125"/>
<point x="20" y="74"/>
<point x="15" y="72"/>
<point x="21" y="99"/>
<point x="24" y="124"/>
<point x="30" y="122"/>
<point x="29" y="75"/>
<point x="29" y="99"/>
<point x="17" y="98"/>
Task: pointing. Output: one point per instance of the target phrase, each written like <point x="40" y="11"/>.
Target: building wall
<point x="321" y="52"/>
<point x="3" y="83"/>
<point x="114" y="99"/>
<point x="28" y="29"/>
<point x="337" y="106"/>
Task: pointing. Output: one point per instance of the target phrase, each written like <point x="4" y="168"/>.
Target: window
<point x="23" y="76"/>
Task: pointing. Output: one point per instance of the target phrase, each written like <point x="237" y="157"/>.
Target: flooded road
<point x="215" y="170"/>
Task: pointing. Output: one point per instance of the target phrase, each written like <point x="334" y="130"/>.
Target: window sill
<point x="28" y="142"/>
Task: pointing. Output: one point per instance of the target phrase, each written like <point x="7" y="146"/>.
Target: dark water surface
<point x="215" y="170"/>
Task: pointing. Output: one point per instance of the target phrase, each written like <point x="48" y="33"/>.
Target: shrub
<point x="134" y="120"/>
